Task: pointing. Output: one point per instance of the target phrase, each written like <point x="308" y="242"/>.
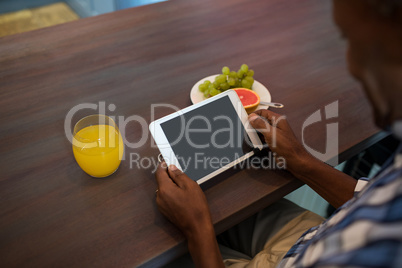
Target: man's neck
<point x="397" y="129"/>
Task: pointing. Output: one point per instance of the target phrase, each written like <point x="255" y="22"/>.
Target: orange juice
<point x="98" y="149"/>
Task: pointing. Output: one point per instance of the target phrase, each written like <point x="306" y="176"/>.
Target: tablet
<point x="206" y="138"/>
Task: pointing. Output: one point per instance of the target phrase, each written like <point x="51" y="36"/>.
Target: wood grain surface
<point x="54" y="215"/>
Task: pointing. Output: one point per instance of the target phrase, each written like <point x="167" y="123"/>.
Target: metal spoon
<point x="272" y="104"/>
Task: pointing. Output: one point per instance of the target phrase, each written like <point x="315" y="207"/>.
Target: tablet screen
<point x="207" y="138"/>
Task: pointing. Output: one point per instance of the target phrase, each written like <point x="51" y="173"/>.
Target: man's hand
<point x="181" y="199"/>
<point x="334" y="186"/>
<point x="280" y="138"/>
<point x="183" y="202"/>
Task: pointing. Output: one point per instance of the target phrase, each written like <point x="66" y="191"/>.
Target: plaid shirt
<point x="364" y="232"/>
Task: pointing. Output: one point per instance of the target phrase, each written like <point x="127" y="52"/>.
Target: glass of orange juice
<point x="97" y="145"/>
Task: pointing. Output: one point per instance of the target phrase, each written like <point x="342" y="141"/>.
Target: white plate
<point x="196" y="95"/>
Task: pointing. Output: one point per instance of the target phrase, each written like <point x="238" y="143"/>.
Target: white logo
<point x="331" y="148"/>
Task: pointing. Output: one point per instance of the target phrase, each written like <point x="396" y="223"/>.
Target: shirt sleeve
<point x="360" y="184"/>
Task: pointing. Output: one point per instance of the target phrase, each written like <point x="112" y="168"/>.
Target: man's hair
<point x="387" y="8"/>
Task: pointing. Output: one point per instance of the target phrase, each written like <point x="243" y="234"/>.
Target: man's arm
<point x="334" y="186"/>
<point x="183" y="202"/>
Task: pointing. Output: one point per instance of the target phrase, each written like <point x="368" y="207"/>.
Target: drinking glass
<point x="97" y="145"/>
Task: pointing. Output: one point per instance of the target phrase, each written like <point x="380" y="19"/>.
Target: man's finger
<point x="259" y="123"/>
<point x="178" y="176"/>
<point x="276" y="120"/>
<point x="266" y="113"/>
<point x="162" y="175"/>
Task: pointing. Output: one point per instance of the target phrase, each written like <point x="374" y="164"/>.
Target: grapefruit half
<point x="249" y="99"/>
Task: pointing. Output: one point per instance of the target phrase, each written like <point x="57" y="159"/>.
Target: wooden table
<point x="54" y="215"/>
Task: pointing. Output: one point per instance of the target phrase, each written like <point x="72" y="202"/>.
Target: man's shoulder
<point x="366" y="230"/>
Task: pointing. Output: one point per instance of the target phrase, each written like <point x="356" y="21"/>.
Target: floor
<point x="35" y="18"/>
<point x="7" y="6"/>
<point x="17" y="16"/>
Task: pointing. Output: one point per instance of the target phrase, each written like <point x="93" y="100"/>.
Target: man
<point x="366" y="231"/>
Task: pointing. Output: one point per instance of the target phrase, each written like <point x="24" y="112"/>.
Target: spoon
<point x="272" y="104"/>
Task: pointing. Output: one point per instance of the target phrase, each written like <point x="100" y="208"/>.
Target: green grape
<point x="250" y="79"/>
<point x="233" y="74"/>
<point x="220" y="79"/>
<point x="246" y="84"/>
<point x="228" y="79"/>
<point x="214" y="92"/>
<point x="240" y="73"/>
<point x="232" y="81"/>
<point x="225" y="86"/>
<point x="244" y="68"/>
<point x="226" y="70"/>
<point x="206" y="93"/>
<point x="238" y="83"/>
<point x="202" y="87"/>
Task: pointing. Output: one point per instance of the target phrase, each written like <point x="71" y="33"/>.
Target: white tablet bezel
<point x="167" y="151"/>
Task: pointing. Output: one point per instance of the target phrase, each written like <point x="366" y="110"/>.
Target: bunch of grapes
<point x="228" y="79"/>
